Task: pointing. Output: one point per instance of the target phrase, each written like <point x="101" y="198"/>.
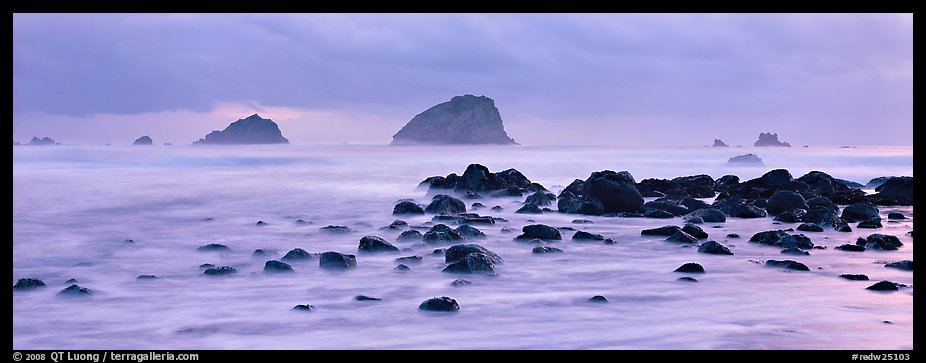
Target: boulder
<point x="895" y="216"/>
<point x="366" y="298"/>
<point x="690" y="267"/>
<point x="335" y="229"/>
<point x="336" y="261"/>
<point x="851" y="248"/>
<point x="661" y="231"/>
<point x="784" y="200"/>
<point x="75" y="291"/>
<point x="791" y="216"/>
<point x="460" y="283"/>
<point x="458" y="252"/>
<point x="220" y="271"/>
<point x="809" y="227"/>
<point x="822" y="202"/>
<point x="855" y="277"/>
<point x="859" y="212"/>
<point x="656" y="213"/>
<point x="906" y="265"/>
<point x="409" y="234"/>
<point x="144" y="140"/>
<point x="445" y="204"/>
<point x="303" y="308"/>
<point x="681" y="237"/>
<point x="409" y="259"/>
<point x="375" y="244"/>
<point x="540" y="198"/>
<point x="776" y="178"/>
<point x="597" y="299"/>
<point x="213" y="247"/>
<point x="603" y="192"/>
<point x="402" y="268"/>
<point x="896" y="190"/>
<point x="296" y="254"/>
<point x="869" y="224"/>
<point x="442" y="304"/>
<point x="885" y="285"/>
<point x="539" y="231"/>
<point x="821" y="217"/>
<point x="441" y="233"/>
<point x="468" y="231"/>
<point x="25" y="284"/>
<point x="708" y="215"/>
<point x="879" y="241"/>
<point x="714" y="248"/>
<point x="529" y="209"/>
<point x="586" y="236"/>
<point x="787" y="264"/>
<point x="407" y="207"/>
<point x="545" y="249"/>
<point x="274" y="266"/>
<point x="475" y="262"/>
<point x="794" y="251"/>
<point x="694" y="231"/>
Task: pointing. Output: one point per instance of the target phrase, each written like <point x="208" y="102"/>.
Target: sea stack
<point x="770" y="139"/>
<point x="719" y="143"/>
<point x="144" y="140"/>
<point x="250" y="130"/>
<point x="748" y="159"/>
<point x="464" y="120"/>
<point x="43" y="141"/>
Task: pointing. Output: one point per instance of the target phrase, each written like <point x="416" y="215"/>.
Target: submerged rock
<point x="714" y="248"/>
<point x="375" y="244"/>
<point x="539" y="231"/>
<point x="681" y="237"/>
<point x="787" y="264"/>
<point x="336" y="261"/>
<point x="545" y="249"/>
<point x="869" y="225"/>
<point x="464" y="119"/>
<point x="366" y="298"/>
<point x="146" y="277"/>
<point x="274" y="266"/>
<point x="250" y="130"/>
<point x="661" y="231"/>
<point x="409" y="259"/>
<point x="220" y="271"/>
<point x="855" y="277"/>
<point x="598" y="299"/>
<point x="445" y="204"/>
<point x="468" y="231"/>
<point x="75" y="291"/>
<point x="443" y="304"/>
<point x="585" y="236"/>
<point x="687" y="279"/>
<point x="794" y="251"/>
<point x="809" y="227"/>
<point x="407" y="207"/>
<point x="458" y="252"/>
<point x="694" y="231"/>
<point x="402" y="268"/>
<point x="296" y="254"/>
<point x="880" y="242"/>
<point x="475" y="262"/>
<point x="529" y="209"/>
<point x="410" y="234"/>
<point x="690" y="267"/>
<point x="851" y="248"/>
<point x="906" y="265"/>
<point x="441" y="233"/>
<point x="303" y="308"/>
<point x="213" y="247"/>
<point x="885" y="285"/>
<point x="335" y="229"/>
<point x="28" y="283"/>
<point x="460" y="282"/>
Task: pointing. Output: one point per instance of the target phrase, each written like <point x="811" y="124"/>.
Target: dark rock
<point x="146" y="277"/>
<point x="877" y="182"/>
<point x="303" y="308"/>
<point x="441" y="233"/>
<point x="546" y="249"/>
<point x="260" y="223"/>
<point x="859" y="212"/>
<point x="895" y="216"/>
<point x="603" y="192"/>
<point x="690" y="267"/>
<point x="274" y="266"/>
<point x="727" y="181"/>
<point x="497" y="208"/>
<point x="442" y="303"/>
<point x="407" y="207"/>
<point x="747" y="159"/>
<point x="397" y="224"/>
<point x="687" y="279"/>
<point x="809" y="227"/>
<point x="250" y="130"/>
<point x="471" y="195"/>
<point x="719" y="143"/>
<point x="201" y="267"/>
<point x="460" y="282"/>
<point x="260" y="253"/>
<point x="402" y="268"/>
<point x="366" y="298"/>
<point x="609" y="241"/>
<point x="673" y="206"/>
<point x="477" y="205"/>
<point x="851" y="248"/>
<point x="694" y="220"/>
<point x="75" y="291"/>
<point x="694" y="231"/>
<point x="661" y="231"/>
<point x="733" y="235"/>
<point x="681" y="237"/>
<point x="586" y="236"/>
<point x="475" y="262"/>
<point x="296" y="254"/>
<point x="842" y="226"/>
<point x="714" y="248"/>
<point x="477" y="219"/>
<point x="791" y="216"/>
<point x="540" y="198"/>
<point x="884" y="285"/>
<point x="879" y="241"/>
<point x="656" y="187"/>
<point x="785" y="200"/>
<point x="855" y="277"/>
<point x="410" y="234"/>
<point x="656" y="213"/>
<point x="438" y="252"/>
<point x="709" y="215"/>
<point x="468" y="231"/>
<point x="787" y="264"/>
<point x="822" y="202"/>
<point x="748" y="211"/>
<point x="598" y="299"/>
<point x="220" y="271"/>
<point x="43" y="141"/>
<point x="906" y="265"/>
<point x="782" y="239"/>
<point x="213" y="247"/>
<point x="409" y="259"/>
<point x="464" y="119"/>
<point x="776" y="178"/>
<point x="335" y="229"/>
<point x="582" y="221"/>
<point x="445" y="204"/>
<point x="794" y="251"/>
<point x="822" y="217"/>
<point x="144" y="140"/>
<point x="869" y="225"/>
<point x="529" y="209"/>
<point x="336" y="261"/>
<point x="129" y="241"/>
<point x="540" y="231"/>
<point x="375" y="244"/>
<point x="769" y="139"/>
<point x="897" y="190"/>
<point x="301" y="222"/>
<point x="28" y="283"/>
<point x="458" y="252"/>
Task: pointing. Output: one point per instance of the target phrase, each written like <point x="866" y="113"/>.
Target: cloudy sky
<point x="602" y="79"/>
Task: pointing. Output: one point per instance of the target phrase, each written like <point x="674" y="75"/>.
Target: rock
<point x="769" y="139"/>
<point x="822" y="202"/>
<point x="220" y="271"/>
<point x="438" y="252"/>
<point x="794" y="251"/>
<point x="469" y="194"/>
<point x="335" y="229"/>
<point x="539" y="231"/>
<point x="146" y="277"/>
<point x="673" y="206"/>
<point x="687" y="279"/>
<point x="694" y="220"/>
<point x="869" y="225"/>
<point x="859" y="212"/>
<point x="296" y="254"/>
<point x="336" y="261"/>
<point x="776" y="178"/>
<point x="213" y="247"/>
<point x="719" y="143"/>
<point x="144" y="140"/>
<point x="733" y="235"/>
<point x="582" y="221"/>
<point x="475" y="262"/>
<point x="445" y="204"/>
<point x="906" y="265"/>
<point x="366" y="298"/>
<point x="690" y="267"/>
<point x="409" y="259"/>
<point x="694" y="231"/>
<point x="201" y="267"/>
<point x="260" y="253"/>
<point x="896" y="190"/>
<point x="410" y="234"/>
<point x="261" y="223"/>
<point x="876" y="182"/>
<point x="787" y="264"/>
<point x="791" y="216"/>
<point x="782" y="239"/>
<point x="822" y="217"/>
<point x="477" y="205"/>
<point x="75" y="291"/>
<point x="603" y="192"/>
<point x="879" y="241"/>
<point x="529" y="209"/>
<point x="661" y="231"/>
<point x="250" y="130"/>
<point x="301" y="222"/>
<point x="477" y="219"/>
<point x="407" y="207"/>
<point x="855" y="277"/>
<point x="458" y="252"/>
<point x="895" y="216"/>
<point x="598" y="299"/>
<point x="784" y="200"/>
<point x="443" y="303"/>
<point x="25" y="284"/>
<point x="460" y="282"/>
<point x="303" y="308"/>
<point x="274" y="266"/>
<point x="656" y="213"/>
<point x="497" y="208"/>
<point x="545" y="249"/>
<point x="464" y="119"/>
<point x="468" y="231"/>
<point x="681" y="237"/>
<point x="842" y="227"/>
<point x="441" y="233"/>
<point x="714" y="248"/>
<point x="585" y="236"/>
<point x="809" y="227"/>
<point x="884" y="286"/>
<point x="43" y="141"/>
<point x="397" y="224"/>
<point x="709" y="215"/>
<point x="540" y="198"/>
<point x="748" y="211"/>
<point x="402" y="268"/>
<point x="851" y="248"/>
<point x="372" y="244"/>
<point x="746" y="159"/>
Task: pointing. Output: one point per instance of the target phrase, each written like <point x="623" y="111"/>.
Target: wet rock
<point x="586" y="236"/>
<point x="906" y="265"/>
<point x="529" y="209"/>
<point x="335" y="229"/>
<point x="460" y="282"/>
<point x="371" y="244"/>
<point x="785" y="200"/>
<point x="407" y="207"/>
<point x="301" y="222"/>
<point x="690" y="267"/>
<point x="885" y="285"/>
<point x="895" y="191"/>
<point x="687" y="279"/>
<point x="409" y="259"/>
<point x="336" y="261"/>
<point x="673" y="206"/>
<point x="603" y="192"/>
<point x="776" y="178"/>
<point x="791" y="216"/>
<point x="402" y="268"/>
<point x="477" y="219"/>
<point x="869" y="225"/>
<point x="694" y="220"/>
<point x="397" y="224"/>
<point x="794" y="251"/>
<point x="842" y="227"/>
<point x="146" y="277"/>
<point x="443" y="304"/>
<point x="366" y="298"/>
<point x="213" y="247"/>
<point x="855" y="277"/>
<point x="733" y="235"/>
<point x="28" y="283"/>
<point x="274" y="266"/>
<point x="438" y="252"/>
<point x="129" y="241"/>
<point x="260" y="253"/>
<point x="582" y="221"/>
<point x="879" y="241"/>
<point x="409" y="234"/>
<point x="681" y="237"/>
<point x="441" y="233"/>
<point x="822" y="217"/>
<point x="475" y="262"/>
<point x="859" y="212"/>
<point x="895" y="216"/>
<point x="598" y="299"/>
<point x="545" y="249"/>
<point x="787" y="264"/>
<point x="75" y="291"/>
<point x="497" y="208"/>
<point x="296" y="254"/>
<point x="661" y="231"/>
<point x="539" y="231"/>
<point x="540" y="198"/>
<point x="458" y="252"/>
<point x="201" y="267"/>
<point x="851" y="248"/>
<point x="506" y="229"/>
<point x="445" y="204"/>
<point x="694" y="231"/>
<point x="261" y="223"/>
<point x="477" y="205"/>
<point x="656" y="213"/>
<point x="714" y="248"/>
<point x="822" y="202"/>
<point x="220" y="271"/>
<point x="782" y="239"/>
<point x="709" y="215"/>
<point x="303" y="308"/>
<point x="809" y="227"/>
<point x="471" y="195"/>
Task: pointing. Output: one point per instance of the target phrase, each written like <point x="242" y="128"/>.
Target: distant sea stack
<point x="748" y="159"/>
<point x="770" y="139"/>
<point x="144" y="140"/>
<point x="719" y="143"/>
<point x="250" y="130"/>
<point x="43" y="141"/>
<point x="464" y="120"/>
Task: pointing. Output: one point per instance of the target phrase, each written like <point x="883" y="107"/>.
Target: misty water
<point x="73" y="206"/>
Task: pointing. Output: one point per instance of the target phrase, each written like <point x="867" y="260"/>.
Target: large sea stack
<point x="769" y="139"/>
<point x="250" y="130"/>
<point x="463" y="120"/>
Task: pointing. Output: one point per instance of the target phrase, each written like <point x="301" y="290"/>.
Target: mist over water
<point x="74" y="205"/>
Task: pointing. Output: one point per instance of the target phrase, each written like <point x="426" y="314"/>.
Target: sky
<point x="557" y="79"/>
